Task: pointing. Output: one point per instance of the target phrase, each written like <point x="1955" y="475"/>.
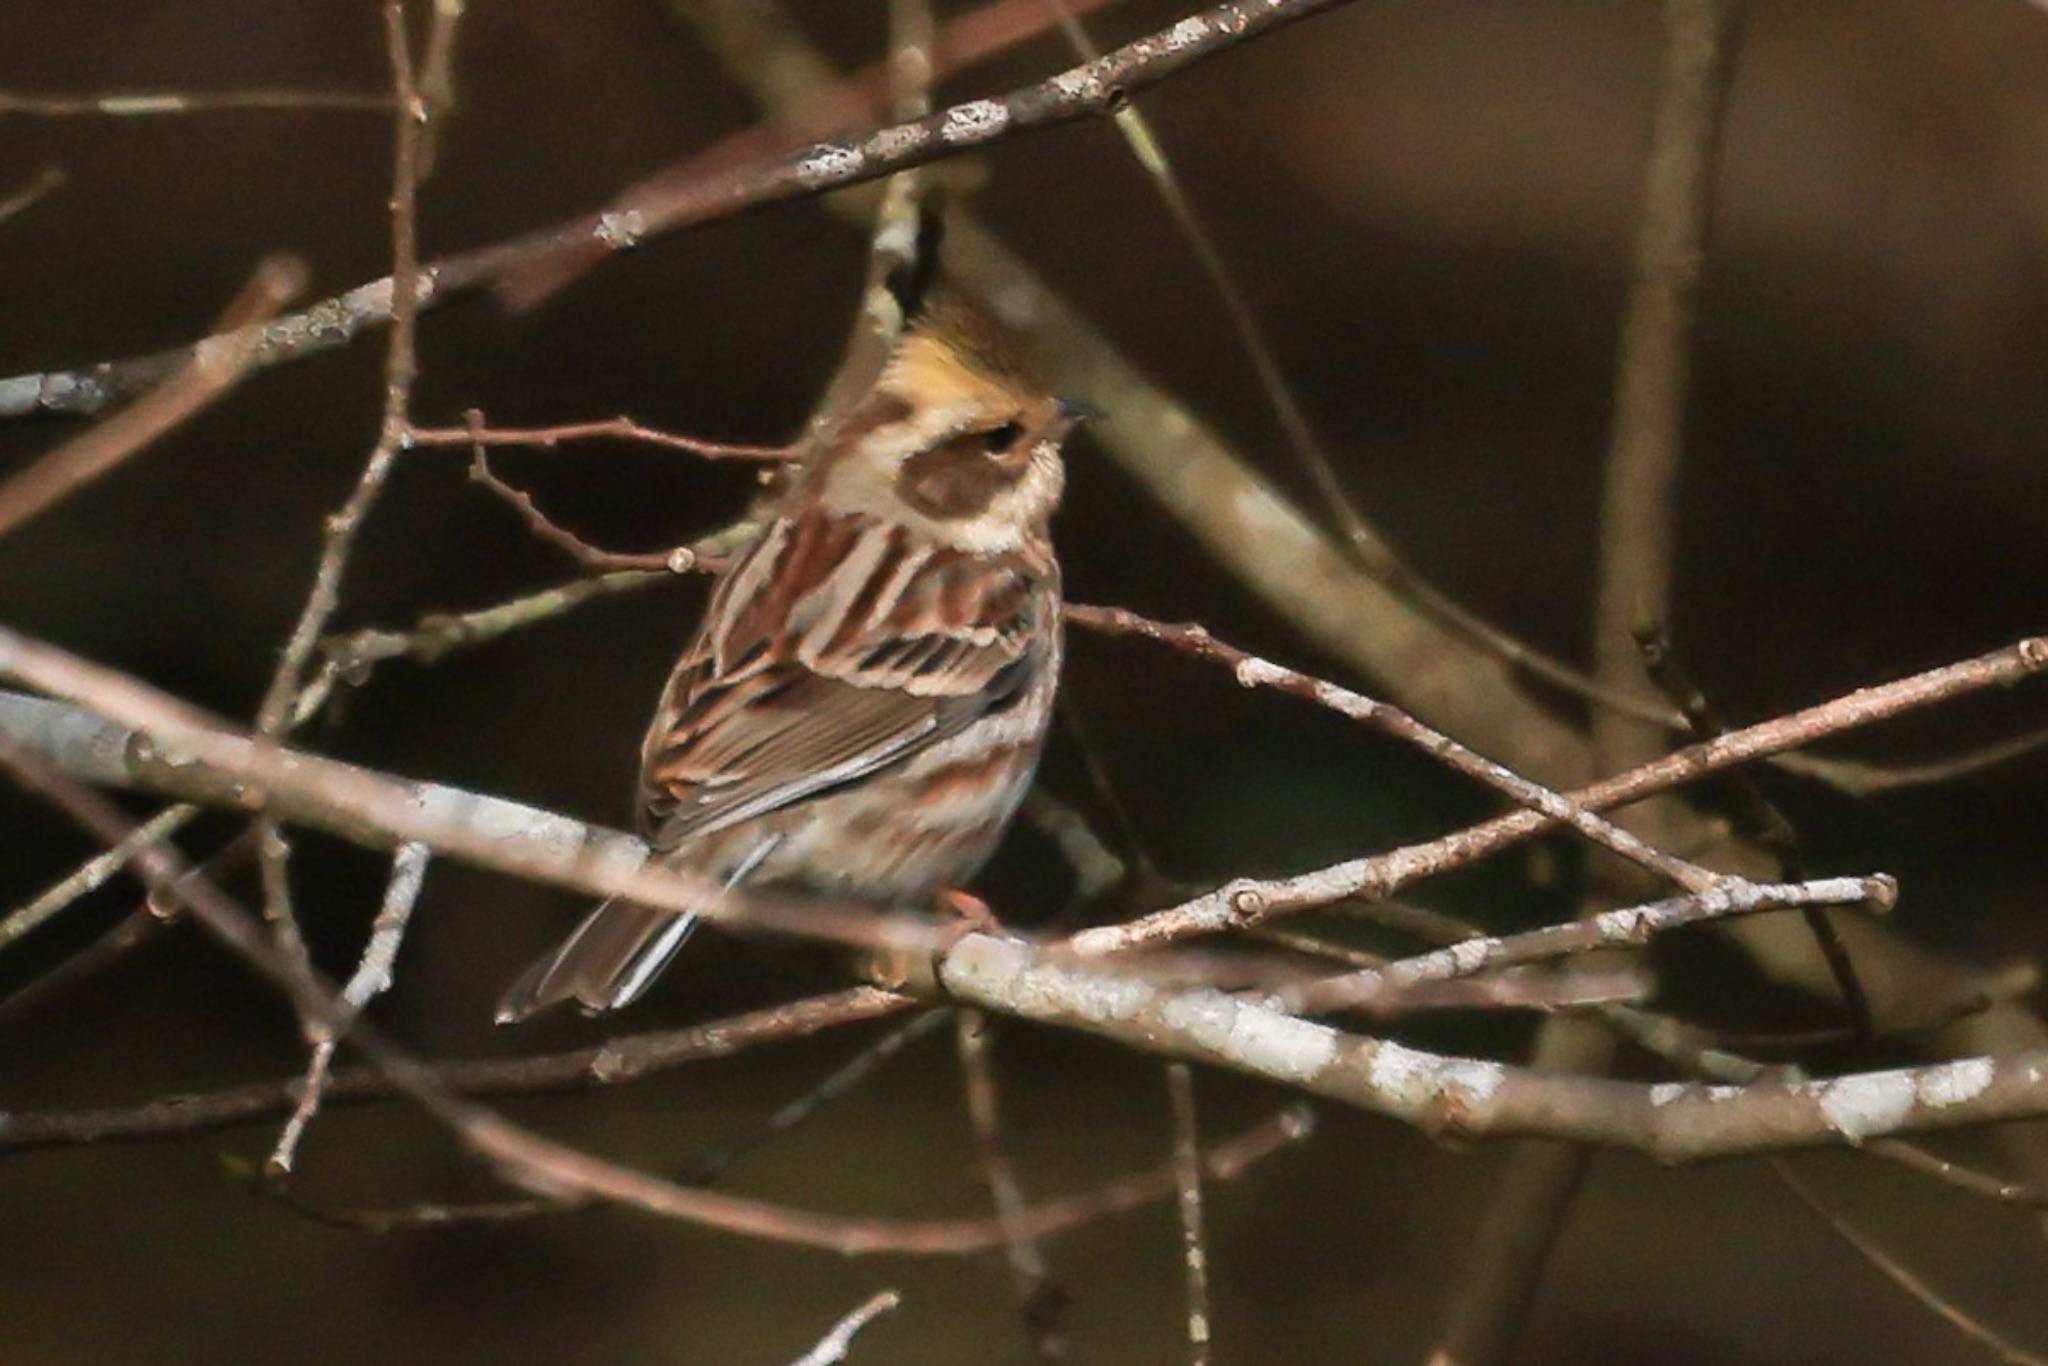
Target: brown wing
<point x="835" y="648"/>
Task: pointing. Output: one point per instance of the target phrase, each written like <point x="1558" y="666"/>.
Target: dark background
<point x="1431" y="207"/>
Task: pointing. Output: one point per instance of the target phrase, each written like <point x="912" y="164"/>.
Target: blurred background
<point x="1431" y="207"/>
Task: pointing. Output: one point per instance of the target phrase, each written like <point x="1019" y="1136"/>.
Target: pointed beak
<point x="1073" y="411"/>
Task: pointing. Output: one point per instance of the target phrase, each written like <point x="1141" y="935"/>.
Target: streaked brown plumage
<point x="864" y="702"/>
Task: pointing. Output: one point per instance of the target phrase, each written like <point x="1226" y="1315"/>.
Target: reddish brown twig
<point x="475" y="432"/>
<point x="680" y="560"/>
<point x="1247" y="900"/>
<point x="1187" y="1179"/>
<point x="1895" y="1271"/>
<point x="1086" y="91"/>
<point x="41" y="184"/>
<point x="1042" y="1299"/>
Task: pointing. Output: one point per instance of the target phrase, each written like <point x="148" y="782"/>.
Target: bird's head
<point x="955" y="439"/>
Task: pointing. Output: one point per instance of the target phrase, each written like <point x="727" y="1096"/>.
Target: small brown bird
<point x="865" y="700"/>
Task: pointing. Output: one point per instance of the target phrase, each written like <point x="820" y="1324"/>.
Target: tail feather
<point x="613" y="956"/>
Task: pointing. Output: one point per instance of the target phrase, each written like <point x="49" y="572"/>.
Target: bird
<point x="864" y="701"/>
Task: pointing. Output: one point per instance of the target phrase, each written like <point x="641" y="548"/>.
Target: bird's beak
<point x="1073" y="411"/>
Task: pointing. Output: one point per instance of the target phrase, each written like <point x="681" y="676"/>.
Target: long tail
<point x="613" y="956"/>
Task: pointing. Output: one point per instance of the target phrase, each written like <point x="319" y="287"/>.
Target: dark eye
<point x="1000" y="439"/>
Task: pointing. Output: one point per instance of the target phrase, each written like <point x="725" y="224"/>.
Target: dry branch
<point x="1089" y="90"/>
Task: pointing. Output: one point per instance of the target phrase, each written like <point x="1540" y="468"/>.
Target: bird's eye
<point x="1000" y="439"/>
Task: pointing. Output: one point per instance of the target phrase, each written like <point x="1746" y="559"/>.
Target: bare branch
<point x="618" y="1061"/>
<point x="475" y="432"/>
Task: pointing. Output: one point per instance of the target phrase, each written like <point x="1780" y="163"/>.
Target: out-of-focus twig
<point x="1086" y="91"/>
<point x="1860" y="778"/>
<point x="40" y="185"/>
<point x="213" y="370"/>
<point x="836" y="1084"/>
<point x="140" y="103"/>
<point x="1187" y="1175"/>
<point x="1043" y="1300"/>
<point x="1895" y="1271"/>
<point x="93" y="874"/>
<point x="476" y="432"/>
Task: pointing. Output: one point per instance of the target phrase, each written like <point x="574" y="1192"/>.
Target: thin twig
<point x="1971" y="1327"/>
<point x="1043" y="1301"/>
<point x="619" y="1061"/>
<point x="93" y="874"/>
<point x="833" y="1347"/>
<point x="1187" y="1175"/>
<point x="836" y="1084"/>
<point x="476" y="432"/>
<point x="212" y="371"/>
<point x="680" y="560"/>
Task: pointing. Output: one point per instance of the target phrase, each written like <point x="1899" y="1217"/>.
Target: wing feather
<point x="833" y="649"/>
